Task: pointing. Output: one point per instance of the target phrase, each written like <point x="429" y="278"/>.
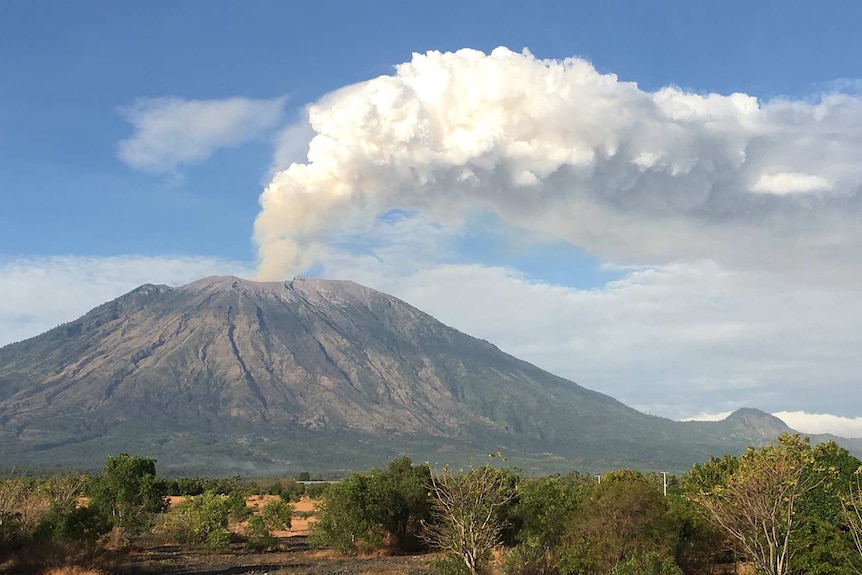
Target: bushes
<point x="275" y="516"/>
<point x="366" y="511"/>
<point x="201" y="520"/>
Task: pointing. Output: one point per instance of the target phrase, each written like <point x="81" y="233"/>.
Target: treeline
<point x="785" y="508"/>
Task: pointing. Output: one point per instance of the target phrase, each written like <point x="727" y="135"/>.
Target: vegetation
<point x="367" y="511"/>
<point x="127" y="494"/>
<point x="468" y="512"/>
<point x="769" y="500"/>
<point x="786" y="509"/>
<point x="201" y="520"/>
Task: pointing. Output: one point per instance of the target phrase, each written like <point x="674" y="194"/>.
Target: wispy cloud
<point x="172" y="132"/>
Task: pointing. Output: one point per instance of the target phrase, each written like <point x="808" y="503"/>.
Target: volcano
<point x="226" y="374"/>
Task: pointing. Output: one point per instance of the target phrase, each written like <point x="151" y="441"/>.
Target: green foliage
<point x="646" y="563"/>
<point x="698" y="541"/>
<point x="287" y="489"/>
<point x="276" y="515"/>
<point x="201" y="520"/>
<point x="316" y="490"/>
<point x="780" y="504"/>
<point x="237" y="507"/>
<point x="81" y="524"/>
<point x="822" y="548"/>
<point x="821" y="544"/>
<point x="449" y="564"/>
<point x="545" y="509"/>
<point x="531" y="560"/>
<point x="366" y="510"/>
<point x="128" y="493"/>
<point x="260" y="537"/>
<point x="624" y="515"/>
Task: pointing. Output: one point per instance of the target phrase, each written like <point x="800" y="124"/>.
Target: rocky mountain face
<point x="226" y="373"/>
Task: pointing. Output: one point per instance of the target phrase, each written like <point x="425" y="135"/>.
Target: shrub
<point x="259" y="536"/>
<point x="448" y="564"/>
<point x="529" y="560"/>
<point x="276" y="515"/>
<point x="201" y="521"/>
<point x="646" y="563"/>
<point x="366" y="510"/>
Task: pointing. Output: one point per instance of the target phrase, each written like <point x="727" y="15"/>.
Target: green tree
<point x="201" y="520"/>
<point x="275" y="516"/>
<point x="345" y="518"/>
<point x="624" y="515"/>
<point x="545" y="509"/>
<point x="646" y="563"/>
<point x="754" y="499"/>
<point x="822" y="543"/>
<point x="127" y="493"/>
<point x="366" y="510"/>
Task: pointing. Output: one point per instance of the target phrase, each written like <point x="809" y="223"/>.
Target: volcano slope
<point x="225" y="375"/>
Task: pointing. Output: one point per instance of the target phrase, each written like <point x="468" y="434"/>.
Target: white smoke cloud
<point x="39" y="293"/>
<point x="563" y="152"/>
<point x="171" y="132"/>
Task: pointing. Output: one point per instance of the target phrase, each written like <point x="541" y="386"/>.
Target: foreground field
<point x="296" y="558"/>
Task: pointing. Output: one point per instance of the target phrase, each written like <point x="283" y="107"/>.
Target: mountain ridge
<point x="257" y="369"/>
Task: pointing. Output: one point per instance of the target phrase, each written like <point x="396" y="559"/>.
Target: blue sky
<point x="98" y="196"/>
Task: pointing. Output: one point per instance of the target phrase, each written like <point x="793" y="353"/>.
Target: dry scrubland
<point x="154" y="554"/>
<point x="786" y="508"/>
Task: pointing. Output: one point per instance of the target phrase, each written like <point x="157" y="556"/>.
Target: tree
<point x="822" y="544"/>
<point x="466" y="508"/>
<point x="851" y="510"/>
<point x="364" y="511"/>
<point x="754" y="499"/>
<point x="275" y="516"/>
<point x="128" y="493"/>
<point x="624" y="517"/>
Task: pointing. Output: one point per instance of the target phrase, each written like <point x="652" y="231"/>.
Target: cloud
<point x="705" y="416"/>
<point x="783" y="183"/>
<point x="171" y="132"/>
<point x="561" y="152"/>
<point x="39" y="293"/>
<point x="672" y="340"/>
<point x="822" y="423"/>
<point x="733" y="223"/>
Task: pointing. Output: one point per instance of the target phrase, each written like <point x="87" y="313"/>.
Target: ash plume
<point x="563" y="152"/>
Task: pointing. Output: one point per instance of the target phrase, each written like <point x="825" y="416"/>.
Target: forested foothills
<point x="784" y="508"/>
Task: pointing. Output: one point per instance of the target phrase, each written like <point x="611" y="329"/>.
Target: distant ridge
<point x="230" y="374"/>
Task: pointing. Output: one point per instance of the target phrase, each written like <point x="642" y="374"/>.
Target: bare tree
<point x="64" y="491"/>
<point x="851" y="508"/>
<point x="466" y="509"/>
<point x="753" y="499"/>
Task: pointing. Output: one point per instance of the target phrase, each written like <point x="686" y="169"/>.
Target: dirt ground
<point x="294" y="558"/>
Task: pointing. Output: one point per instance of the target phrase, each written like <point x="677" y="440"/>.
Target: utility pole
<point x="664" y="481"/>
